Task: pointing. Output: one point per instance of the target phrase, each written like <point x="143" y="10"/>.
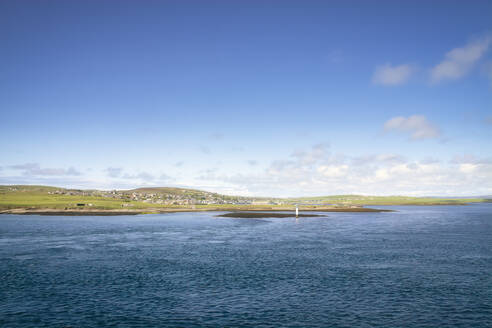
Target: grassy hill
<point x="55" y="198"/>
<point x="174" y="191"/>
<point x="36" y="197"/>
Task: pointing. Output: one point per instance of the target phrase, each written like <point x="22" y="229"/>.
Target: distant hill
<point x="11" y="188"/>
<point x="387" y="200"/>
<point x="168" y="190"/>
<point x="186" y="192"/>
<point x="33" y="196"/>
<point x="463" y="197"/>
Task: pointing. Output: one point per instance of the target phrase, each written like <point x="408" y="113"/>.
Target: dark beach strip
<point x="256" y="215"/>
<point x="80" y="213"/>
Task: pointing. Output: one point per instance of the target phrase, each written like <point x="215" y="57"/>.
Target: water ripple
<point x="420" y="267"/>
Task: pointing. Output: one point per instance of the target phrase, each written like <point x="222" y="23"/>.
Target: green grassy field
<point x="43" y="197"/>
<point x="36" y="200"/>
<point x="38" y="197"/>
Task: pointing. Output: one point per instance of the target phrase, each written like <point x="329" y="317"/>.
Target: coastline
<point x="116" y="212"/>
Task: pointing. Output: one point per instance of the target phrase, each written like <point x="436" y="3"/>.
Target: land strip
<point x="46" y="200"/>
<point x="232" y="209"/>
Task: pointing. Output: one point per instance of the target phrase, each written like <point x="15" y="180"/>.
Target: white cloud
<point x="459" y="61"/>
<point x="205" y="149"/>
<point x="34" y="169"/>
<point x="216" y="136"/>
<point x="312" y="155"/>
<point x="118" y="176"/>
<point x="142" y="176"/>
<point x="381" y="158"/>
<point x="333" y="171"/>
<point x="252" y="162"/>
<point x="468" y="168"/>
<point x="381" y="174"/>
<point x="114" y="172"/>
<point x="316" y="172"/>
<point x="470" y="159"/>
<point x="416" y="125"/>
<point x="392" y="75"/>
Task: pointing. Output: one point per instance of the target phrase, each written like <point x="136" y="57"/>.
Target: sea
<point x="419" y="266"/>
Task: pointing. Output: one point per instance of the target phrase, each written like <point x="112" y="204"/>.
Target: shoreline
<point x="102" y="212"/>
<point x="265" y="215"/>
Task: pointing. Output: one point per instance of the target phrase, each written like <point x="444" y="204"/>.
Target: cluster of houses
<point x="204" y="198"/>
<point x="178" y="198"/>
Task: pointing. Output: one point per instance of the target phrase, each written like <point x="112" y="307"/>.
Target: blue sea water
<point x="422" y="266"/>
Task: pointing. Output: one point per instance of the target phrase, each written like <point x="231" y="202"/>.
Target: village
<point x="173" y="197"/>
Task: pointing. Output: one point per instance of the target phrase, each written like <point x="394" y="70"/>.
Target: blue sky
<point x="248" y="97"/>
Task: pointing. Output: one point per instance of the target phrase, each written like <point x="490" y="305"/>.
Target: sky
<point x="255" y="98"/>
